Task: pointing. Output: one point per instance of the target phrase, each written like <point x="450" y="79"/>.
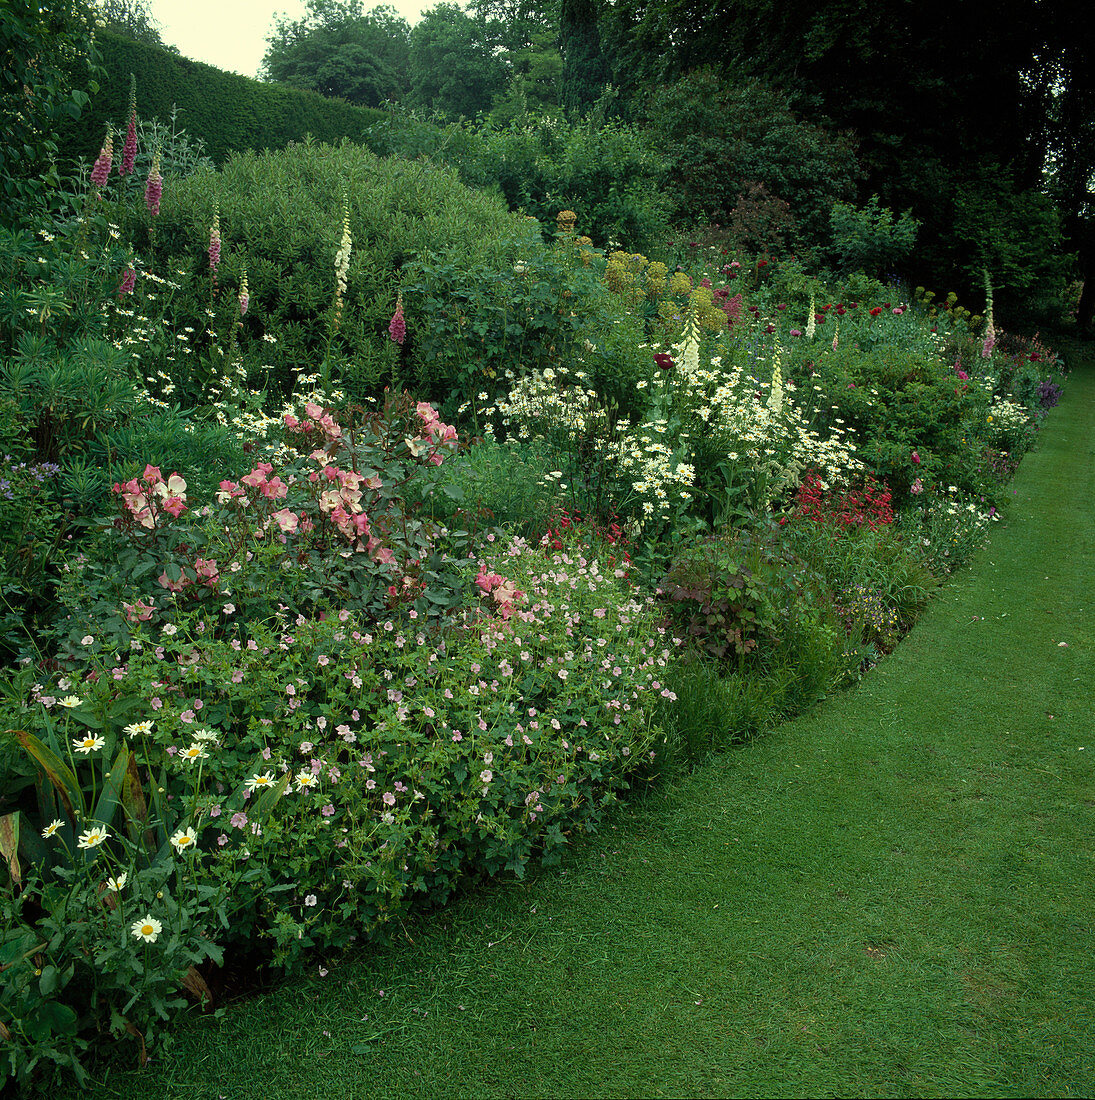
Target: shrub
<point x="336" y="519"/>
<point x="733" y="595"/>
<point x="280" y="215"/>
<point x="609" y="175"/>
<point x="292" y="785"/>
<point x="724" y="137"/>
<point x="871" y="239"/>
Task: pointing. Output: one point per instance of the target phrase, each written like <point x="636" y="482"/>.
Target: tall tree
<point x="339" y="51"/>
<point x="585" y="71"/>
<point x="131" y="19"/>
<point x="952" y="102"/>
<point x="456" y="68"/>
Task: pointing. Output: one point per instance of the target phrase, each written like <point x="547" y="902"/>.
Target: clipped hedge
<point x="229" y="113"/>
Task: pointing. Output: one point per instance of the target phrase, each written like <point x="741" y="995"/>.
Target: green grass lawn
<point x="890" y="897"/>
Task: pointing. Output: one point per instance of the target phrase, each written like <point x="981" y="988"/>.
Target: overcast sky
<point x="231" y="34"/>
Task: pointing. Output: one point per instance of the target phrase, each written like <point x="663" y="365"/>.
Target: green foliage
<point x="280" y="214"/>
<point x="734" y="594"/>
<point x="131" y="19"/>
<point x="483" y="324"/>
<point x="585" y="70"/>
<point x="73" y="394"/>
<point x="49" y="57"/>
<point x="499" y="484"/>
<point x="455" y="71"/>
<point x="1015" y="234"/>
<point x="912" y="417"/>
<point x="871" y="239"/>
<point x="292" y="785"/>
<point x="607" y="173"/>
<point x="228" y="113"/>
<point x="725" y="136"/>
<point x="32" y="528"/>
<point x="342" y="54"/>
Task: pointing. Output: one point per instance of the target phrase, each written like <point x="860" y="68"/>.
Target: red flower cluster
<point x="568" y="520"/>
<point x="868" y="506"/>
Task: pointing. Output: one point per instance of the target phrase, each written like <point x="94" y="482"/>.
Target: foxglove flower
<point x="811" y="321"/>
<point x="990" y="329"/>
<point x="775" y="395"/>
<point x="245" y="296"/>
<point x="129" y="280"/>
<point x="397" y="328"/>
<point x="129" y="150"/>
<point x="215" y="241"/>
<point x="100" y="173"/>
<point x="153" y="187"/>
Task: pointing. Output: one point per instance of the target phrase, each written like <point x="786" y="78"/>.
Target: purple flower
<point x="129" y="150"/>
<point x="153" y="187"/>
<point x="397" y="328"/>
<point x="101" y="171"/>
<point x="129" y="280"/>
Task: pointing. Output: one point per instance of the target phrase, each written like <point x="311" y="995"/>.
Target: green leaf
<point x="112" y="787"/>
<point x="50" y="1018"/>
<point x="59" y="773"/>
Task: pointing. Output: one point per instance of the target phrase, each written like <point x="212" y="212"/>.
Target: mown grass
<point x="889" y="897"/>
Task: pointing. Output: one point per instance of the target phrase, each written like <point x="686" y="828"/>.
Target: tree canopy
<point x="342" y="52"/>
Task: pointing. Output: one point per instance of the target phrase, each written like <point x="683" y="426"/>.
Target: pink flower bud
<point x="215" y="243"/>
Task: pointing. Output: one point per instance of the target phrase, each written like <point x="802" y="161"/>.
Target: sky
<point x="231" y="34"/>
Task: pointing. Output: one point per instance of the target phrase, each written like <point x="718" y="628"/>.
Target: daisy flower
<point x="135" y="728"/>
<point x="91" y="743"/>
<point x="260" y="782"/>
<point x="195" y="752"/>
<point x="116" y="882"/>
<point x="92" y="838"/>
<point x="305" y="780"/>
<point x="184" y="839"/>
<point x="147" y="929"/>
<point x="70" y="701"/>
<point x="51" y="828"/>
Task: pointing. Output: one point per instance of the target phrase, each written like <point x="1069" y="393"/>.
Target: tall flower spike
<point x="153" y="187"/>
<point x="245" y="294"/>
<point x="129" y="150"/>
<point x="811" y="320"/>
<point x="215" y="241"/>
<point x="775" y="395"/>
<point x="129" y="279"/>
<point x="100" y="173"/>
<point x="342" y="260"/>
<point x="690" y="360"/>
<point x="397" y="330"/>
<point x="990" y="328"/>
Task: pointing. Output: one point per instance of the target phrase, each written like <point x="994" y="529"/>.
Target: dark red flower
<point x="664" y="361"/>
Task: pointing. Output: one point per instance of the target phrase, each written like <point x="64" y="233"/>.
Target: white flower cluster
<point x="653" y="469"/>
<point x="1007" y="416"/>
<point x="759" y="423"/>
